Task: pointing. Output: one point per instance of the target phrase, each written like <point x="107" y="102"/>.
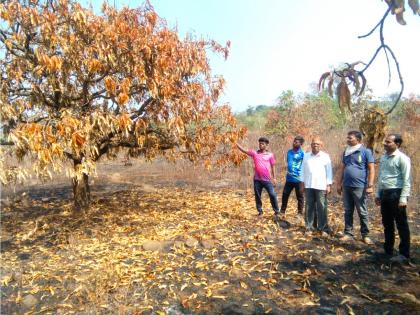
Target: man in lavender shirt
<point x="264" y="177"/>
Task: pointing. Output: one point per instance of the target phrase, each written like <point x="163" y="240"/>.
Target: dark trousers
<point x="316" y="210"/>
<point x="390" y="213"/>
<point x="268" y="186"/>
<point x="288" y="187"/>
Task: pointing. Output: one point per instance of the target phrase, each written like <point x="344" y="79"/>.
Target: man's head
<point x="263" y="143"/>
<point x="354" y="137"/>
<point x="392" y="142"/>
<point x="316" y="145"/>
<point x="297" y="142"/>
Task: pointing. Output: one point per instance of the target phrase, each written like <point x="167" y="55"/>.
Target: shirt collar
<point x="395" y="153"/>
<point x="319" y="153"/>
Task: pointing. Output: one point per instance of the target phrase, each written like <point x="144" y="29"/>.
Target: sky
<point x="279" y="45"/>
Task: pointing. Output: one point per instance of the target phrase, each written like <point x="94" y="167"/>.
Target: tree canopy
<point x="76" y="85"/>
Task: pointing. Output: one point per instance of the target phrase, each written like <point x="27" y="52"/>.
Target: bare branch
<point x="4" y="142"/>
<point x="380" y="23"/>
<point x="400" y="77"/>
<point x="142" y="108"/>
<point x="389" y="66"/>
<point x="386" y="49"/>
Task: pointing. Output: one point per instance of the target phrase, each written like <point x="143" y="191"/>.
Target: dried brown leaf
<point x="324" y="76"/>
<point x="362" y="89"/>
<point x="343" y="95"/>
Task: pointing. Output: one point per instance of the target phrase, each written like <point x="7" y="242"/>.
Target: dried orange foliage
<point x="373" y="125"/>
<point x="76" y="85"/>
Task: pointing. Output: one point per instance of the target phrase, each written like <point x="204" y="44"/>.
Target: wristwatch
<point x="370" y="186"/>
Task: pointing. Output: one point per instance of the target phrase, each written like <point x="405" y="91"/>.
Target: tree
<point x="76" y="86"/>
<point x="295" y="116"/>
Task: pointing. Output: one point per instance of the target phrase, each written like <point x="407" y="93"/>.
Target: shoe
<point x="400" y="259"/>
<point x="276" y="217"/>
<point x="367" y="240"/>
<point x="346" y="238"/>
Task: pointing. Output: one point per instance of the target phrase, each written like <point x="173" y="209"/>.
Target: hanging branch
<point x="349" y="75"/>
<point x="386" y="49"/>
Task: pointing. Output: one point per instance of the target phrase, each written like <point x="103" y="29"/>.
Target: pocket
<point x="391" y="195"/>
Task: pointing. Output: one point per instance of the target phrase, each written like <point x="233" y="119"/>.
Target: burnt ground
<point x="157" y="244"/>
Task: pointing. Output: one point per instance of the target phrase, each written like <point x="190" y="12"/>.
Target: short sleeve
<point x="252" y="153"/>
<point x="369" y="156"/>
<point x="272" y="159"/>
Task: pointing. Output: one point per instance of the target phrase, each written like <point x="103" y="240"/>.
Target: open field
<point x="170" y="239"/>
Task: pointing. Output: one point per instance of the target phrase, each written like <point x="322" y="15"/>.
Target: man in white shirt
<point x="316" y="179"/>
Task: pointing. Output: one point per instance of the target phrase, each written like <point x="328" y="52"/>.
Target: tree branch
<point x="4" y="142"/>
<point x="142" y="108"/>
<point x="386" y="49"/>
<point x="380" y="23"/>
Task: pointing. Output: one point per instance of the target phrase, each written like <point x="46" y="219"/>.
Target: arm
<point x="378" y="185"/>
<point x="302" y="177"/>
<point x="340" y="179"/>
<point x="273" y="168"/>
<point x="329" y="173"/>
<point x="273" y="173"/>
<point x="405" y="174"/>
<point x="371" y="177"/>
<point x="242" y="149"/>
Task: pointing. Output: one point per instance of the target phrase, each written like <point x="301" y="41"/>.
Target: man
<point x="393" y="188"/>
<point x="316" y="180"/>
<point x="294" y="168"/>
<point x="264" y="167"/>
<point x="355" y="182"/>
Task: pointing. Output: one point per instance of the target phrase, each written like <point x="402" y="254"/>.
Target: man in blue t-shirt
<point x="294" y="169"/>
<point x="355" y="181"/>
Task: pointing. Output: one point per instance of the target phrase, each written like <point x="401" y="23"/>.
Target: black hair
<point x="263" y="139"/>
<point x="355" y="133"/>
<point x="397" y="138"/>
<point x="300" y="139"/>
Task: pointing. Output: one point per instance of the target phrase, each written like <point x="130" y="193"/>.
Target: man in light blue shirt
<point x="393" y="188"/>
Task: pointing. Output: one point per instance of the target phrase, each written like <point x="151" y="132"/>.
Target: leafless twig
<point x="386" y="49"/>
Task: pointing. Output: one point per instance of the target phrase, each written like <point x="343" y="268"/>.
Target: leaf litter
<point x="185" y="251"/>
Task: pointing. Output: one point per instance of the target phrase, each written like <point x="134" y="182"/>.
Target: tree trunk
<point x="81" y="193"/>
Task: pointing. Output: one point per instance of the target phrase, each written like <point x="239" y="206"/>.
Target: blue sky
<point x="279" y="45"/>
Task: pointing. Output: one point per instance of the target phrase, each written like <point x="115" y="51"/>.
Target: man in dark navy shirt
<point x="355" y="181"/>
<point x="294" y="169"/>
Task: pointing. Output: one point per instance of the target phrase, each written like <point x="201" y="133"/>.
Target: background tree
<point x="76" y="86"/>
<point x="305" y="115"/>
